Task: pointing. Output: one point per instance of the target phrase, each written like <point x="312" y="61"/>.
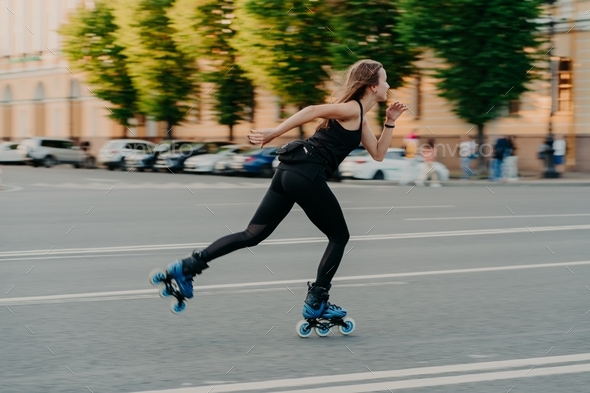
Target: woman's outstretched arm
<point x="343" y="112"/>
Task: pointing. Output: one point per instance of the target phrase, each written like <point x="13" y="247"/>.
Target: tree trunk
<point x="231" y="132"/>
<point x="169" y="130"/>
<point x="480" y="142"/>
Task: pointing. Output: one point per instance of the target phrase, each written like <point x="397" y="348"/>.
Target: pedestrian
<point x="542" y="155"/>
<point x="510" y="167"/>
<point x="498" y="158"/>
<point x="427" y="168"/>
<point x="560" y="148"/>
<point x="467" y="153"/>
<point x="302" y="176"/>
<point x="409" y="172"/>
<point x="548" y="153"/>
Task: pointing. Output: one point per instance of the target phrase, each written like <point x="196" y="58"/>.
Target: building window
<point x="564" y="85"/>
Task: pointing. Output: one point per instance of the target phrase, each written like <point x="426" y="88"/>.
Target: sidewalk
<point x="526" y="179"/>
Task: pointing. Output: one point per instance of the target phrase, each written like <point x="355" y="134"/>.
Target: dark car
<point x="258" y="162"/>
<point x="142" y="161"/>
<point x="174" y="159"/>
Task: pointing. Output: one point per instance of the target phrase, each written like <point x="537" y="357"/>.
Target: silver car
<point x="51" y="151"/>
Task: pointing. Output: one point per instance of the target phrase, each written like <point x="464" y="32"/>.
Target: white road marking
<point x="73" y="257"/>
<point x="103" y="184"/>
<point x="491" y="217"/>
<point x="386" y="386"/>
<point x="152" y="186"/>
<point x="522" y="364"/>
<point x="301" y="240"/>
<point x="9" y="188"/>
<point x="296" y="209"/>
<point x="152" y="294"/>
<point x="395" y="208"/>
<point x="141" y="293"/>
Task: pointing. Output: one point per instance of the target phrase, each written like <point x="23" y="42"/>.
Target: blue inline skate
<point x="321" y="315"/>
<point x="178" y="279"/>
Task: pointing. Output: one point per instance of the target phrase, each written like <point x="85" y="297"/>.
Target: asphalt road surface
<point x="453" y="289"/>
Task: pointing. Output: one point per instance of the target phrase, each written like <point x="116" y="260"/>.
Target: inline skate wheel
<point x="349" y="328"/>
<point x="323" y="329"/>
<point x="157" y="276"/>
<point x="302" y="328"/>
<point x="177" y="307"/>
<point x="164" y="292"/>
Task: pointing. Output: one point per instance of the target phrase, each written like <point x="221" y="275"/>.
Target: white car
<point x="113" y="153"/>
<point x="206" y="162"/>
<point x="51" y="151"/>
<point x="9" y="153"/>
<point x="393" y="167"/>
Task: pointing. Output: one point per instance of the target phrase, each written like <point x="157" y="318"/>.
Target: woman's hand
<point x="262" y="137"/>
<point x="394" y="111"/>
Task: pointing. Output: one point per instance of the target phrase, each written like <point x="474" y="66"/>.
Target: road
<point x="453" y="289"/>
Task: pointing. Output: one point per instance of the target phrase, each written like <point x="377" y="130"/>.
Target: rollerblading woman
<point x="301" y="178"/>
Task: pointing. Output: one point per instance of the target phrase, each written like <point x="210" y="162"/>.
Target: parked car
<point x="51" y="151"/>
<point x="173" y="160"/>
<point x="225" y="166"/>
<point x="113" y="153"/>
<point x="206" y="162"/>
<point x="363" y="166"/>
<point x="257" y="162"/>
<point x="9" y="153"/>
<point x="142" y="161"/>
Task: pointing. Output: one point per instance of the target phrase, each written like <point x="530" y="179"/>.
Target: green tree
<point x="212" y="21"/>
<point x="162" y="74"/>
<point x="489" y="49"/>
<point x="89" y="46"/>
<point x="234" y="95"/>
<point x="284" y="45"/>
<point x="367" y="29"/>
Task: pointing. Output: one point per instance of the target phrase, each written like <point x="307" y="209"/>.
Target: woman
<point x="304" y="181"/>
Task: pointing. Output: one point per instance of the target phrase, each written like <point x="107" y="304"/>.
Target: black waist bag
<point x="299" y="151"/>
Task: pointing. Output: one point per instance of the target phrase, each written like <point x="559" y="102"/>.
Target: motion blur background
<point x="96" y="70"/>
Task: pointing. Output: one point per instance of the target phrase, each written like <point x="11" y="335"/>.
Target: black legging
<point x="319" y="204"/>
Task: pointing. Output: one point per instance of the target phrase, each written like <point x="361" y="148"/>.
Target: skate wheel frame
<point x="169" y="288"/>
<point x="323" y="327"/>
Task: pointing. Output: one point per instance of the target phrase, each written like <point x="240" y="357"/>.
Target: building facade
<point x="40" y="95"/>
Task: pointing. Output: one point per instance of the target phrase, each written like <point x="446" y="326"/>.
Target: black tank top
<point x="334" y="142"/>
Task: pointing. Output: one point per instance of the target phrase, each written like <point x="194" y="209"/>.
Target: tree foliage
<point x="212" y="22"/>
<point x="89" y="46"/>
<point x="284" y="45"/>
<point x="488" y="49"/>
<point x="162" y="74"/>
<point x="378" y="40"/>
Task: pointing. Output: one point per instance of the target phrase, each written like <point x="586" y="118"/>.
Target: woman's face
<point x="382" y="88"/>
